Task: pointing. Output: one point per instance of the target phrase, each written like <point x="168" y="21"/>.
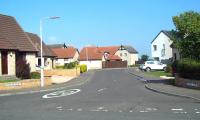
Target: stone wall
<point x="187" y="83"/>
<point x="62" y="72"/>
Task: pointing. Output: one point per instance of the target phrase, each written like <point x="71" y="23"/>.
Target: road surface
<point x="109" y="95"/>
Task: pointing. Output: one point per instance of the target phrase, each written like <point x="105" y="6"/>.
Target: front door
<point x="4" y="62"/>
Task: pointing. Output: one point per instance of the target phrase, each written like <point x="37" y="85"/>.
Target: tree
<point x="144" y="57"/>
<point x="187" y="34"/>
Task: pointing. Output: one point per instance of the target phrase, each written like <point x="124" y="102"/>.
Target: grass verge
<point x="6" y="81"/>
<point x="158" y="73"/>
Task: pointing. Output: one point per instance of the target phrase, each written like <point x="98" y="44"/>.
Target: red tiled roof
<point x="14" y="34"/>
<point x="96" y="53"/>
<point x="68" y="52"/>
<point x="113" y="57"/>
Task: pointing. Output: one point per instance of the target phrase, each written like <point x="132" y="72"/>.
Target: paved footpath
<point x="82" y="79"/>
<point x="165" y="88"/>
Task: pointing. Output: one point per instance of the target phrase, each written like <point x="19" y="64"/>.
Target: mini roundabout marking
<point x="61" y="93"/>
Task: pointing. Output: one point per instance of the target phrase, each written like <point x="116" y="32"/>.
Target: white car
<point x="153" y="65"/>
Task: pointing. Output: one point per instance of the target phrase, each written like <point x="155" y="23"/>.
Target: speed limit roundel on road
<point x="61" y="93"/>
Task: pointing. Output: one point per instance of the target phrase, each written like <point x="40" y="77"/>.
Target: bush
<point x="35" y="75"/>
<point x="22" y="69"/>
<point x="70" y="65"/>
<point x="59" y="67"/>
<point x="169" y="68"/>
<point x="188" y="68"/>
<point x="83" y="68"/>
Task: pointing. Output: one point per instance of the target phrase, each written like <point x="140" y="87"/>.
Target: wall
<point x="159" y="41"/>
<point x="130" y="58"/>
<point x="187" y="83"/>
<point x="76" y="56"/>
<point x="134" y="58"/>
<point x="31" y="59"/>
<point x="95" y="64"/>
<point x="60" y="62"/>
<point x="0" y="64"/>
<point x="11" y="63"/>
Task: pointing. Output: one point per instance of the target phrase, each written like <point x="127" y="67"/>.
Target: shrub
<point x="22" y="69"/>
<point x="188" y="68"/>
<point x="70" y="65"/>
<point x="169" y="68"/>
<point x="35" y="75"/>
<point x="59" y="67"/>
<point x="83" y="68"/>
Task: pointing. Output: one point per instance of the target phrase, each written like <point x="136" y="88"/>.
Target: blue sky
<point x="98" y="22"/>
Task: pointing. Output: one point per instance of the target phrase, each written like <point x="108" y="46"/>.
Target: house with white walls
<point x="65" y="55"/>
<point x="161" y="48"/>
<point x="94" y="56"/>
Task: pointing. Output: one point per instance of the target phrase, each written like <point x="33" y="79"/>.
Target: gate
<point x="114" y="64"/>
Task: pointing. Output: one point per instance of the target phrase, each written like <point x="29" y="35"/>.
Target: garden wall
<point x="187" y="83"/>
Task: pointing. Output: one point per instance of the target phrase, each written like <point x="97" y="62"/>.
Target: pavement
<point x="77" y="81"/>
<point x="161" y="85"/>
<point x="112" y="94"/>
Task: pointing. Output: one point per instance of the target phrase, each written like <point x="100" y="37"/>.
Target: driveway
<point x="109" y="95"/>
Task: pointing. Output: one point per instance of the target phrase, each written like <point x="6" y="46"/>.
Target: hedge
<point x="188" y="68"/>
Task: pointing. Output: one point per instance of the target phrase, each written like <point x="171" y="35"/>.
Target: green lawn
<point x="5" y="81"/>
<point x="158" y="73"/>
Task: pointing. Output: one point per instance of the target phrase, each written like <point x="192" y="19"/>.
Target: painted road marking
<point x="61" y="93"/>
<point x="143" y="111"/>
<point x="101" y="89"/>
<point x="180" y="112"/>
<point x="197" y="112"/>
<point x="176" y="109"/>
<point x="151" y="109"/>
<point x="80" y="109"/>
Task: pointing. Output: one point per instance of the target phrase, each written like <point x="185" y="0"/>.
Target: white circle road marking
<point x="61" y="93"/>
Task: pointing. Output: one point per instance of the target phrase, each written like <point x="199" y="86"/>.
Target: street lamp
<point x="41" y="50"/>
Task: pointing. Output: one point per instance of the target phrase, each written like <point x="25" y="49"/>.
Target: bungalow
<point x="161" y="49"/>
<point x="94" y="56"/>
<point x="48" y="55"/>
<point x="14" y="46"/>
<point x="64" y="55"/>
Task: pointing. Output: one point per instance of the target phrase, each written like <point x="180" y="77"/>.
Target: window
<point x="125" y="54"/>
<point x="121" y="54"/>
<point x="150" y="62"/>
<point x="163" y="51"/>
<point x="155" y="47"/>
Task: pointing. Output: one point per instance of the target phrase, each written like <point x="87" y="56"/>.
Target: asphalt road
<point x="109" y="95"/>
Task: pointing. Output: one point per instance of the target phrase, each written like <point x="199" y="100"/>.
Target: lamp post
<point x="41" y="50"/>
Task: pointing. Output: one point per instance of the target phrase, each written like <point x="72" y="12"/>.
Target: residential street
<point x="111" y="94"/>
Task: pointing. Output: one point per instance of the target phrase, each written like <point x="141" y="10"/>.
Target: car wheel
<point x="148" y="69"/>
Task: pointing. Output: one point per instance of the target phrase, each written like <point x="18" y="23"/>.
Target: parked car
<point x="152" y="65"/>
